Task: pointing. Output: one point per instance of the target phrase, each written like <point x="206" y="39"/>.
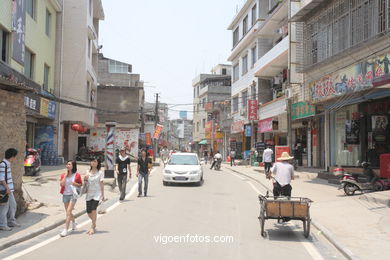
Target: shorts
<point x="92" y="205"/>
<point x="68" y="198"/>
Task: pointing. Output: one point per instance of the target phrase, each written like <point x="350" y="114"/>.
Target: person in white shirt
<point x="267" y="159"/>
<point x="95" y="191"/>
<point x="284" y="173"/>
<point x="217" y="157"/>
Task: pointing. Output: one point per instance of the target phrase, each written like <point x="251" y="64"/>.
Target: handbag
<point x="76" y="190"/>
<point x="3" y="193"/>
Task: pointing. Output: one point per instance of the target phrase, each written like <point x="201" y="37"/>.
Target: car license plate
<point x="180" y="178"/>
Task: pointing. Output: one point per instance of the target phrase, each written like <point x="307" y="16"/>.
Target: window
<point x="46" y="74"/>
<point x="203" y="122"/>
<point x="48" y="22"/>
<point x="244" y="97"/>
<point x="235" y="104"/>
<point x="30" y="8"/>
<point x="194" y="92"/>
<point x="29" y="64"/>
<point x="203" y="102"/>
<point x="253" y="92"/>
<point x="89" y="48"/>
<point x="254" y="14"/>
<point x="236" y="36"/>
<point x="90" y="7"/>
<point x="117" y="67"/>
<point x="3" y="45"/>
<point x="245" y="26"/>
<point x="245" y="64"/>
<point x="236" y="72"/>
<point x="253" y="56"/>
<point x="197" y="126"/>
<point x="223" y="71"/>
<point x="88" y="89"/>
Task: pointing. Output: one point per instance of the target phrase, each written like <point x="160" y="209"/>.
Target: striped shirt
<point x="9" y="175"/>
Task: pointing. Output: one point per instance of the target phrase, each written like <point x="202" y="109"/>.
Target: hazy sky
<point x="168" y="42"/>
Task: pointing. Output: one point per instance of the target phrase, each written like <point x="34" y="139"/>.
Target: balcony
<point x="273" y="61"/>
<point x="301" y="9"/>
<point x="247" y="39"/>
<point x="214" y="90"/>
<point x="273" y="21"/>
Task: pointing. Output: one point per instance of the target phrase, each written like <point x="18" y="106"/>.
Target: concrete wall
<point x="13" y="135"/>
<point x="116" y="79"/>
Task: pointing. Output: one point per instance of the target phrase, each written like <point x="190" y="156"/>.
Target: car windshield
<point x="183" y="160"/>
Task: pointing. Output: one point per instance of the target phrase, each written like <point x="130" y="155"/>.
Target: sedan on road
<point x="183" y="168"/>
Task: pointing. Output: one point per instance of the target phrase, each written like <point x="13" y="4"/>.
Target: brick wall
<point x="13" y="134"/>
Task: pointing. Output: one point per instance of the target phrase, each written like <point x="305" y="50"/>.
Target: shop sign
<point x="52" y="109"/>
<point x="252" y="109"/>
<point x="148" y="138"/>
<point x="351" y="79"/>
<point x="18" y="28"/>
<point x="248" y="131"/>
<point x="32" y="102"/>
<point x="157" y="131"/>
<point x="265" y="125"/>
<point x="208" y="129"/>
<point x="44" y="107"/>
<point x="219" y="135"/>
<point x="208" y="106"/>
<point x="237" y="127"/>
<point x="302" y="110"/>
<point x="279" y="150"/>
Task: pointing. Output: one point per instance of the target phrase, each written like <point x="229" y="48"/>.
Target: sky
<point x="168" y="42"/>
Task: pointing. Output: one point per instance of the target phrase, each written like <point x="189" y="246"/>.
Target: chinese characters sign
<point x="352" y="79"/>
<point x="237" y="127"/>
<point x="157" y="131"/>
<point x="265" y="125"/>
<point x="18" y="26"/>
<point x="208" y="129"/>
<point x="302" y="110"/>
<point x="252" y="109"/>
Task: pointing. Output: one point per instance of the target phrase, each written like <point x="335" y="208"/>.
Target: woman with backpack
<point x="70" y="183"/>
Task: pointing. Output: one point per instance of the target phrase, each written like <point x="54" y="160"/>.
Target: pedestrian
<point x="232" y="157"/>
<point x="123" y="171"/>
<point x="143" y="171"/>
<point x="165" y="155"/>
<point x="284" y="173"/>
<point x="205" y="156"/>
<point x="267" y="159"/>
<point x="217" y="158"/>
<point x="95" y="191"/>
<point x="8" y="208"/>
<point x="70" y="183"/>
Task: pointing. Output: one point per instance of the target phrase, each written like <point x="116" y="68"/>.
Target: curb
<point x="328" y="235"/>
<point x="37" y="232"/>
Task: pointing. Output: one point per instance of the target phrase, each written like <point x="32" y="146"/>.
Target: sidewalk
<point x="359" y="225"/>
<point x="46" y="210"/>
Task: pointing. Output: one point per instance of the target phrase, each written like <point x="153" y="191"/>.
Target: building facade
<point x="180" y="134"/>
<point x="79" y="71"/>
<point x="346" y="80"/>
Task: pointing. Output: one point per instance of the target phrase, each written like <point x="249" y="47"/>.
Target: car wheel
<point x="165" y="183"/>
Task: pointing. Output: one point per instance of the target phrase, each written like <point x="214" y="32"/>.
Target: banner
<point x="208" y="129"/>
<point x="265" y="125"/>
<point x="302" y="110"/>
<point x="44" y="107"/>
<point x="237" y="127"/>
<point x="148" y="139"/>
<point x="252" y="109"/>
<point x="248" y="131"/>
<point x="279" y="150"/>
<point x="158" y="131"/>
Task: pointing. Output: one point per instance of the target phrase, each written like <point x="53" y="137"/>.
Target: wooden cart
<point x="280" y="208"/>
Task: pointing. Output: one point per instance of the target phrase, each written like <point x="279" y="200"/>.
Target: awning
<point x="203" y="142"/>
<point x="363" y="98"/>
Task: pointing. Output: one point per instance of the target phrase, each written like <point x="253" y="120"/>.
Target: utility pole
<point x="155" y="125"/>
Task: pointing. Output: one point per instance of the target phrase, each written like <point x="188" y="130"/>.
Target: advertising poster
<point x="352" y="131"/>
<point x="157" y="131"/>
<point x="379" y="127"/>
<point x="279" y="150"/>
<point x="148" y="138"/>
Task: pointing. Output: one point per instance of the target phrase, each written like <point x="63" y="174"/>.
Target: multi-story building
<point x="262" y="39"/>
<point x="180" y="134"/>
<point x="28" y="45"/>
<point x="345" y="59"/>
<point x="149" y="122"/>
<point x="209" y="88"/>
<point x="119" y="90"/>
<point x="79" y="70"/>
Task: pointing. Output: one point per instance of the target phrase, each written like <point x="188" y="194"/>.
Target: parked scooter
<point x="367" y="181"/>
<point x="32" y="162"/>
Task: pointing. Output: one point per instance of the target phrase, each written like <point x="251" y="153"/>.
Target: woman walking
<point x="95" y="191"/>
<point x="70" y="183"/>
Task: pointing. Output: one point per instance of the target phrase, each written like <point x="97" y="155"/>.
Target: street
<point x="223" y="210"/>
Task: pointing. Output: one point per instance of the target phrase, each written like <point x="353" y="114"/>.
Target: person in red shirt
<point x="70" y="183"/>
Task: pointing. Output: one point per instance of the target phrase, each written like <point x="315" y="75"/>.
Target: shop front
<point x="237" y="138"/>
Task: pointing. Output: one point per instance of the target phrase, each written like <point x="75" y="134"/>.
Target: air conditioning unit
<point x="288" y="93"/>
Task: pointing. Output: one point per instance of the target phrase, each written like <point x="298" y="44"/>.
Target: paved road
<point x="225" y="205"/>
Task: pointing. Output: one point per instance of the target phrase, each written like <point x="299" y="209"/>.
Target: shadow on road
<point x="283" y="232"/>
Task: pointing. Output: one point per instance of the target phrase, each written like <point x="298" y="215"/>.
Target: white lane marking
<point x="313" y="252"/>
<point x="56" y="237"/>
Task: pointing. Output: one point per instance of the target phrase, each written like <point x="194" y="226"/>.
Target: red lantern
<point x="83" y="129"/>
<point x="76" y="127"/>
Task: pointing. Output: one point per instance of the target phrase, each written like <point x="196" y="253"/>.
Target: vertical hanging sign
<point x="18" y="27"/>
<point x="252" y="109"/>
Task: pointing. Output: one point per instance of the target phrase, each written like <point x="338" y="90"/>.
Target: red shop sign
<point x="252" y="109"/>
<point x="265" y="125"/>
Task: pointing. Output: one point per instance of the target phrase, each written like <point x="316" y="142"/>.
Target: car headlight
<point x="195" y="172"/>
<point x="167" y="171"/>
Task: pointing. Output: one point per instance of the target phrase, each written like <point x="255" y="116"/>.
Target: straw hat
<point x="285" y="157"/>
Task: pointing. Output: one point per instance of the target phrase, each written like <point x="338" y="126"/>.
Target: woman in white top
<point x="95" y="191"/>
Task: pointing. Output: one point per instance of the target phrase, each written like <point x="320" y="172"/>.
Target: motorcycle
<point x="88" y="155"/>
<point x="217" y="165"/>
<point x="32" y="162"/>
<point x="352" y="183"/>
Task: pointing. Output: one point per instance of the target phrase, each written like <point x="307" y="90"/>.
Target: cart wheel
<point x="306" y="228"/>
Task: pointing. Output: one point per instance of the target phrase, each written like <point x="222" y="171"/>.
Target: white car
<point x="183" y="168"/>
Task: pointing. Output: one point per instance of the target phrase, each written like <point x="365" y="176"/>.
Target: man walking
<point x="8" y="210"/>
<point x="267" y="159"/>
<point x="232" y="157"/>
<point x="123" y="171"/>
<point x="143" y="172"/>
